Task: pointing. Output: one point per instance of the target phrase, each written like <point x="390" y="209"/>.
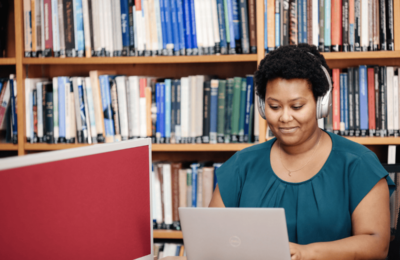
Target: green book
<point x="221" y="111"/>
<point x="242" y="110"/>
<point x="237" y="85"/>
<point x="228" y="109"/>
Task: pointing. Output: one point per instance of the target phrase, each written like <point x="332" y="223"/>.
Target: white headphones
<point x="323" y="103"/>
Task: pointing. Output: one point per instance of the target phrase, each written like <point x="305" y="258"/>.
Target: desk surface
<point x="173" y="258"/>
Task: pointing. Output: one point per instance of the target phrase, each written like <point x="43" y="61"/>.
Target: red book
<point x="371" y="99"/>
<point x="336" y="99"/>
<point x="336" y="24"/>
<point x="48" y="28"/>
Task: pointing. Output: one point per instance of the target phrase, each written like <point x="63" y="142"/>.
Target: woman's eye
<point x="297" y="107"/>
<point x="274" y="107"/>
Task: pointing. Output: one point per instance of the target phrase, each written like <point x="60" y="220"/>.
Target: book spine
<point x="131" y="10"/>
<point x="236" y="109"/>
<point x="157" y="14"/>
<point x="200" y="26"/>
<point x="277" y="24"/>
<point x="188" y="29"/>
<point x="199" y="108"/>
<point x="91" y="27"/>
<point x="300" y="21"/>
<point x="14" y="126"/>
<point x="178" y="98"/>
<point x="125" y="28"/>
<point x="305" y="21"/>
<point x="78" y="29"/>
<point x="194" y="168"/>
<point x="27" y="28"/>
<point x="383" y="102"/>
<point x="321" y="42"/>
<point x="221" y="111"/>
<point x="56" y="129"/>
<point x="192" y="109"/>
<point x="193" y="28"/>
<point x="162" y="112"/>
<point x="377" y="102"/>
<point x="173" y="111"/>
<point x="39" y="95"/>
<point x="184" y="109"/>
<point x="158" y="127"/>
<point x="115" y="107"/>
<point x="167" y="192"/>
<point x="232" y="29"/>
<point x="345" y="25"/>
<point x="107" y="108"/>
<point x="285" y="22"/>
<point x="206" y="111"/>
<point x="389" y="25"/>
<point x="69" y="28"/>
<point x="148" y="96"/>
<point x="364" y="29"/>
<point x="244" y="27"/>
<point x="86" y="28"/>
<point x="55" y="28"/>
<point x="253" y="25"/>
<point x="33" y="26"/>
<point x="181" y="27"/>
<point x="370" y="19"/>
<point x="116" y="27"/>
<point x="175" y="167"/>
<point x="228" y="109"/>
<point x="336" y="33"/>
<point x="396" y="104"/>
<point x="59" y="98"/>
<point x="336" y="100"/>
<point x="351" y="100"/>
<point x="28" y="108"/>
<point x="309" y="22"/>
<point x="122" y="106"/>
<point x="248" y="124"/>
<point x="236" y="19"/>
<point x="167" y="113"/>
<point x="169" y="27"/>
<point x="68" y="110"/>
<point x="346" y="104"/>
<point x="375" y="22"/>
<point x="327" y="25"/>
<point x="83" y="110"/>
<point x="363" y="100"/>
<point x="215" y="48"/>
<point x="153" y="111"/>
<point x="352" y="25"/>
<point x="213" y="111"/>
<point x="371" y="101"/>
<point x="174" y="27"/>
<point x="49" y="117"/>
<point x="357" y="25"/>
<point x="48" y="29"/>
<point x="271" y="24"/>
<point x="72" y="119"/>
<point x="38" y="20"/>
<point x="293" y="22"/>
<point x="357" y="131"/>
<point x="315" y="21"/>
<point x="61" y="29"/>
<point x="227" y="25"/>
<point x="34" y="116"/>
<point x="342" y="112"/>
<point x="97" y="104"/>
<point x="222" y="27"/>
<point x="242" y="110"/>
<point x="389" y="99"/>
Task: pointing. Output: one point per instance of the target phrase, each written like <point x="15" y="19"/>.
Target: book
<point x="242" y="110"/>
<point x="249" y="113"/>
<point x="206" y="111"/>
<point x="122" y="106"/>
<point x="107" y="108"/>
<point x="336" y="24"/>
<point x="213" y="111"/>
<point x="221" y="111"/>
<point x="351" y="100"/>
<point x="371" y="101"/>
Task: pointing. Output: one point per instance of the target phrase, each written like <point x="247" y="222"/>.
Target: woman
<point x="335" y="192"/>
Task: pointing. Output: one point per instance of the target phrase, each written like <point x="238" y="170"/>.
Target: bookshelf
<point x="222" y="65"/>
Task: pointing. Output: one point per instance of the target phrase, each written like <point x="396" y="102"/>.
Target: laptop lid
<point x="235" y="233"/>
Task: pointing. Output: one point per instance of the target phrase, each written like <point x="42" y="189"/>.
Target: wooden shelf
<point x="50" y="147"/>
<point x="8" y="147"/>
<point x="7" y="61"/>
<point x="143" y="60"/>
<point x="167" y="234"/>
<point x="361" y="55"/>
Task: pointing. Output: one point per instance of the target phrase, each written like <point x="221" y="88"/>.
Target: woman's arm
<point x="371" y="232"/>
<point x="216" y="200"/>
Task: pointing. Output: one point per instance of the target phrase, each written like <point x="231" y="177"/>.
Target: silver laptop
<point x="235" y="233"/>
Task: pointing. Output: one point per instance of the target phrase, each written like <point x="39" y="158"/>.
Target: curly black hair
<point x="290" y="62"/>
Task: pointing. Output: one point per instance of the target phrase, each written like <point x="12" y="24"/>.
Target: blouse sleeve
<point x="365" y="176"/>
<point x="230" y="181"/>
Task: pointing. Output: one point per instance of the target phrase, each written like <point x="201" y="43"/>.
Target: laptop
<point x="235" y="233"/>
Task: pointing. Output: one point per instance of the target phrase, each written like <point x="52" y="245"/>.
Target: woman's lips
<point x="288" y="130"/>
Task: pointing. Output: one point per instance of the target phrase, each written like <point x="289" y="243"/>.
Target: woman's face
<point x="290" y="110"/>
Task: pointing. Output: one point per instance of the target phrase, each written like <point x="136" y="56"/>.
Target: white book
<point x="167" y="185"/>
<point x="157" y="201"/>
<point x="371" y="12"/>
<point x="315" y="24"/>
<point x="76" y="82"/>
<point x="199" y="200"/>
<point x="193" y="107"/>
<point x="142" y="112"/>
<point x="199" y="25"/>
<point x="364" y="25"/>
<point x="199" y="105"/>
<point x="390" y="101"/>
<point x="169" y="249"/>
<point x="117" y="29"/>
<point x="396" y="104"/>
<point x="158" y="24"/>
<point x="139" y="28"/>
<point x="72" y="118"/>
<point x="146" y="20"/>
<point x="68" y="111"/>
<point x="86" y="28"/>
<point x="256" y="119"/>
<point x="56" y="129"/>
<point x="217" y="39"/>
<point x="135" y="106"/>
<point x="185" y="108"/>
<point x="27" y="28"/>
<point x="107" y="7"/>
<point x="4" y="104"/>
<point x="30" y="85"/>
<point x="145" y="30"/>
<point x="98" y="26"/>
<point x="153" y="26"/>
<point x="56" y="32"/>
<point x="87" y="117"/>
<point x="61" y="28"/>
<point x="208" y="17"/>
<point x="182" y="187"/>
<point x="90" y="105"/>
<point x="122" y="106"/>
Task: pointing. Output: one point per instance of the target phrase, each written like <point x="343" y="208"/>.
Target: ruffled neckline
<point x="310" y="179"/>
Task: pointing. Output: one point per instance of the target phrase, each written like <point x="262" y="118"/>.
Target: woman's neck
<point x="307" y="145"/>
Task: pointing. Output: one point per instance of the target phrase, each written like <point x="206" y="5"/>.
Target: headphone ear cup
<point x="261" y="106"/>
<point x="323" y="105"/>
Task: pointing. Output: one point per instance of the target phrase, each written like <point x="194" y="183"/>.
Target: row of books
<point x="108" y="108"/>
<point x="177" y="185"/>
<point x="332" y="25"/>
<point x="8" y="112"/>
<point x="78" y="28"/>
<point x="162" y="250"/>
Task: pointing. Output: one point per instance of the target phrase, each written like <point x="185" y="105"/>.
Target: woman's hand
<point x="299" y="252"/>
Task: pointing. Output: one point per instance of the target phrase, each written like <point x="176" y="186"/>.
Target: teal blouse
<point x="318" y="209"/>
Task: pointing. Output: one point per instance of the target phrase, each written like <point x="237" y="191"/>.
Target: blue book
<point x="168" y="25"/>
<point x="222" y="27"/>
<point x="181" y="25"/>
<point x="162" y="111"/>
<point x="132" y="44"/>
<point x="195" y="49"/>
<point x="83" y="114"/>
<point x="214" y="111"/>
<point x="363" y="99"/>
<point x="163" y="27"/>
<point x="125" y="28"/>
<point x="187" y="27"/>
<point x="265" y="27"/>
<point x="61" y="108"/>
<point x="346" y="104"/>
<point x="78" y="30"/>
<point x="1" y="85"/>
<point x="327" y="33"/>
<point x="341" y="92"/>
<point x="248" y="123"/>
<point x="107" y="107"/>
<point x="175" y="26"/>
<point x="278" y="25"/>
<point x="236" y="20"/>
<point x="167" y="110"/>
<point x="304" y="17"/>
<point x="194" y="167"/>
<point x="14" y="119"/>
<point x="158" y="122"/>
<point x="231" y="27"/>
<point x="300" y="21"/>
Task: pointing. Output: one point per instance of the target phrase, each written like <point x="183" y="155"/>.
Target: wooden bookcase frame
<point x="222" y="65"/>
